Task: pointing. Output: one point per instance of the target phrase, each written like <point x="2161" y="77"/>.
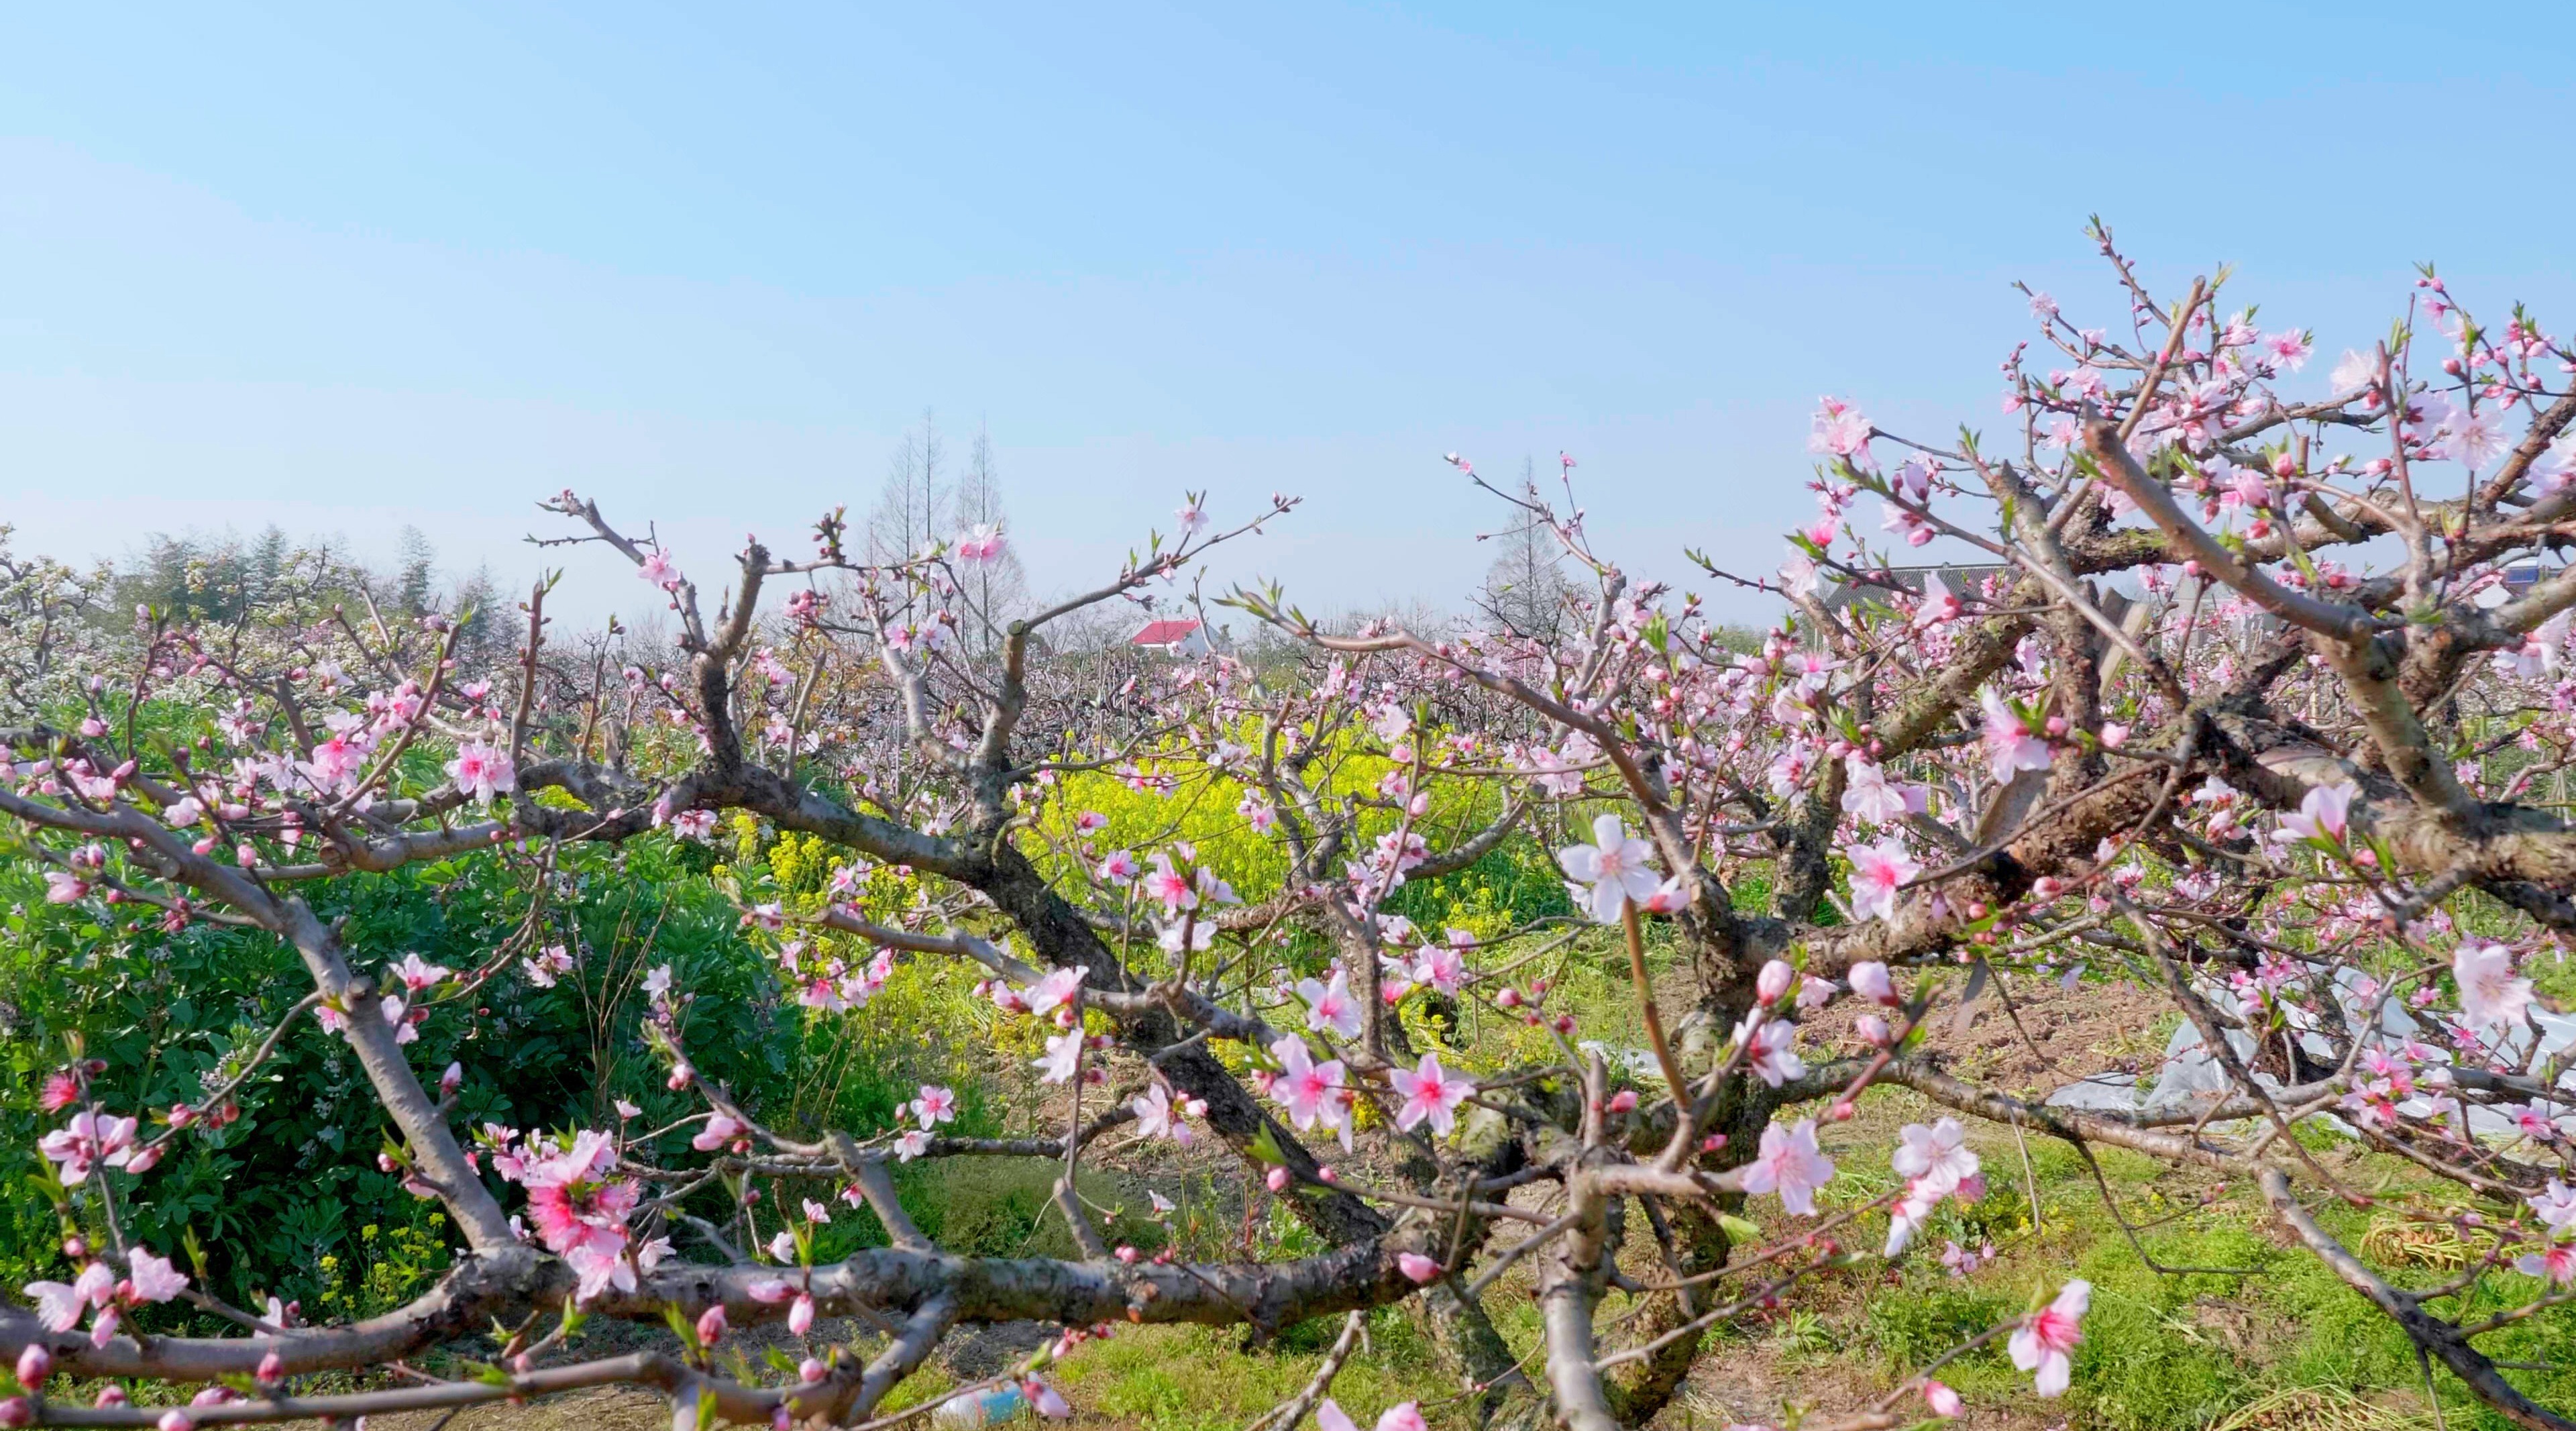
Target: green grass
<point x="1201" y="1378"/>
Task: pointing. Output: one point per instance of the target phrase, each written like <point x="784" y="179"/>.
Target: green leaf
<point x="1265" y="1146"/>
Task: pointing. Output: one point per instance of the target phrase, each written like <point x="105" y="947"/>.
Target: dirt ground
<point x="2028" y="1037"/>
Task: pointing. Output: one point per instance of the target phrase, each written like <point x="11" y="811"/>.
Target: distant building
<point x="2522" y="576"/>
<point x="1172" y="638"/>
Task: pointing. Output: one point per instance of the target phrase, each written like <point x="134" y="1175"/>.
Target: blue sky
<point x="346" y="269"/>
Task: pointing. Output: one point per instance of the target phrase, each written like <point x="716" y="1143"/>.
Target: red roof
<point x="1163" y="633"/>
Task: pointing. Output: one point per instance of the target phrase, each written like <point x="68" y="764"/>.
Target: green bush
<point x="288" y="1200"/>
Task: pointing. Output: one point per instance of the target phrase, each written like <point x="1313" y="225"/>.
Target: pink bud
<point x="810" y="1370"/>
<point x="800" y="1316"/>
<point x="1278" y="1179"/>
<point x="1872" y="1029"/>
<point x="1773" y="981"/>
<point x="75" y="1249"/>
<point x="16" y="1411"/>
<point x="1127" y="1255"/>
<point x="176" y="1420"/>
<point x="682" y="1076"/>
<point x="711" y="1325"/>
<point x="144" y="1161"/>
<point x="1942" y="1400"/>
<point x="110" y="1395"/>
<point x="34" y="1365"/>
<point x="1325" y="1174"/>
<point x="448" y="1081"/>
<point x="1624" y="1101"/>
<point x="1418" y="1269"/>
<point x="1712" y="1142"/>
<point x="181" y="1115"/>
<point x="1841" y="1112"/>
<point x="1509" y="998"/>
<point x="272" y="1369"/>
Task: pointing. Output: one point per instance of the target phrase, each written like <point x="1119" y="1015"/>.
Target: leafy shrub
<point x="276" y="1200"/>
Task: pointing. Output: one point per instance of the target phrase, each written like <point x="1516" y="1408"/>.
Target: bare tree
<point x="912" y="510"/>
<point x="1525" y="588"/>
<point x="997" y="587"/>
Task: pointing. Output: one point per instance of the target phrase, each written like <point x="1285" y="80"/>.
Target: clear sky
<point x="347" y="267"/>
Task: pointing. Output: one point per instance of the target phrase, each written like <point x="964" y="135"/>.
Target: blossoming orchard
<point x="2255" y="700"/>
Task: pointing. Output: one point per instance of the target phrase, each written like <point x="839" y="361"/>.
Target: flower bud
<point x="1417" y="1269"/>
<point x="810" y="1370"/>
<point x="711" y="1325"/>
<point x="1872" y="1029"/>
<point x="1624" y="1101"/>
<point x="272" y="1370"/>
<point x="1773" y="981"/>
<point x="1278" y="1179"/>
<point x="17" y="1411"/>
<point x="800" y="1315"/>
<point x="34" y="1365"/>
